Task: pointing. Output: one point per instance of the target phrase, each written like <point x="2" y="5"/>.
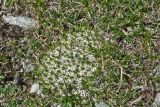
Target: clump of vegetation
<point x="84" y="52"/>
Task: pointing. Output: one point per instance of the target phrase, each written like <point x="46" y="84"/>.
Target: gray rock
<point x="21" y="21"/>
<point x="27" y="65"/>
<point x="102" y="104"/>
<point x="56" y="105"/>
<point x="156" y="102"/>
<point x="156" y="75"/>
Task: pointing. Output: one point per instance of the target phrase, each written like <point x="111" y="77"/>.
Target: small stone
<point x="56" y="105"/>
<point x="20" y="21"/>
<point x="27" y="65"/>
<point x="34" y="88"/>
<point x="102" y="104"/>
<point x="156" y="75"/>
<point x="156" y="102"/>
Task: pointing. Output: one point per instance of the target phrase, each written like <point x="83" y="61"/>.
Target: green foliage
<point x="90" y="51"/>
<point x="9" y="2"/>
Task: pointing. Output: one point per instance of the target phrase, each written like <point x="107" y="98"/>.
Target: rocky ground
<point x="83" y="53"/>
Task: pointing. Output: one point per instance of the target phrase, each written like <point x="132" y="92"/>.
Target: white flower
<point x="91" y="58"/>
<point x="54" y="53"/>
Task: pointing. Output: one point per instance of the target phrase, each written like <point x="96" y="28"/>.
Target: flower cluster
<point x="70" y="64"/>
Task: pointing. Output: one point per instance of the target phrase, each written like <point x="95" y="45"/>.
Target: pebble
<point x="156" y="102"/>
<point x="20" y="21"/>
<point x="102" y="104"/>
<point x="35" y="89"/>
